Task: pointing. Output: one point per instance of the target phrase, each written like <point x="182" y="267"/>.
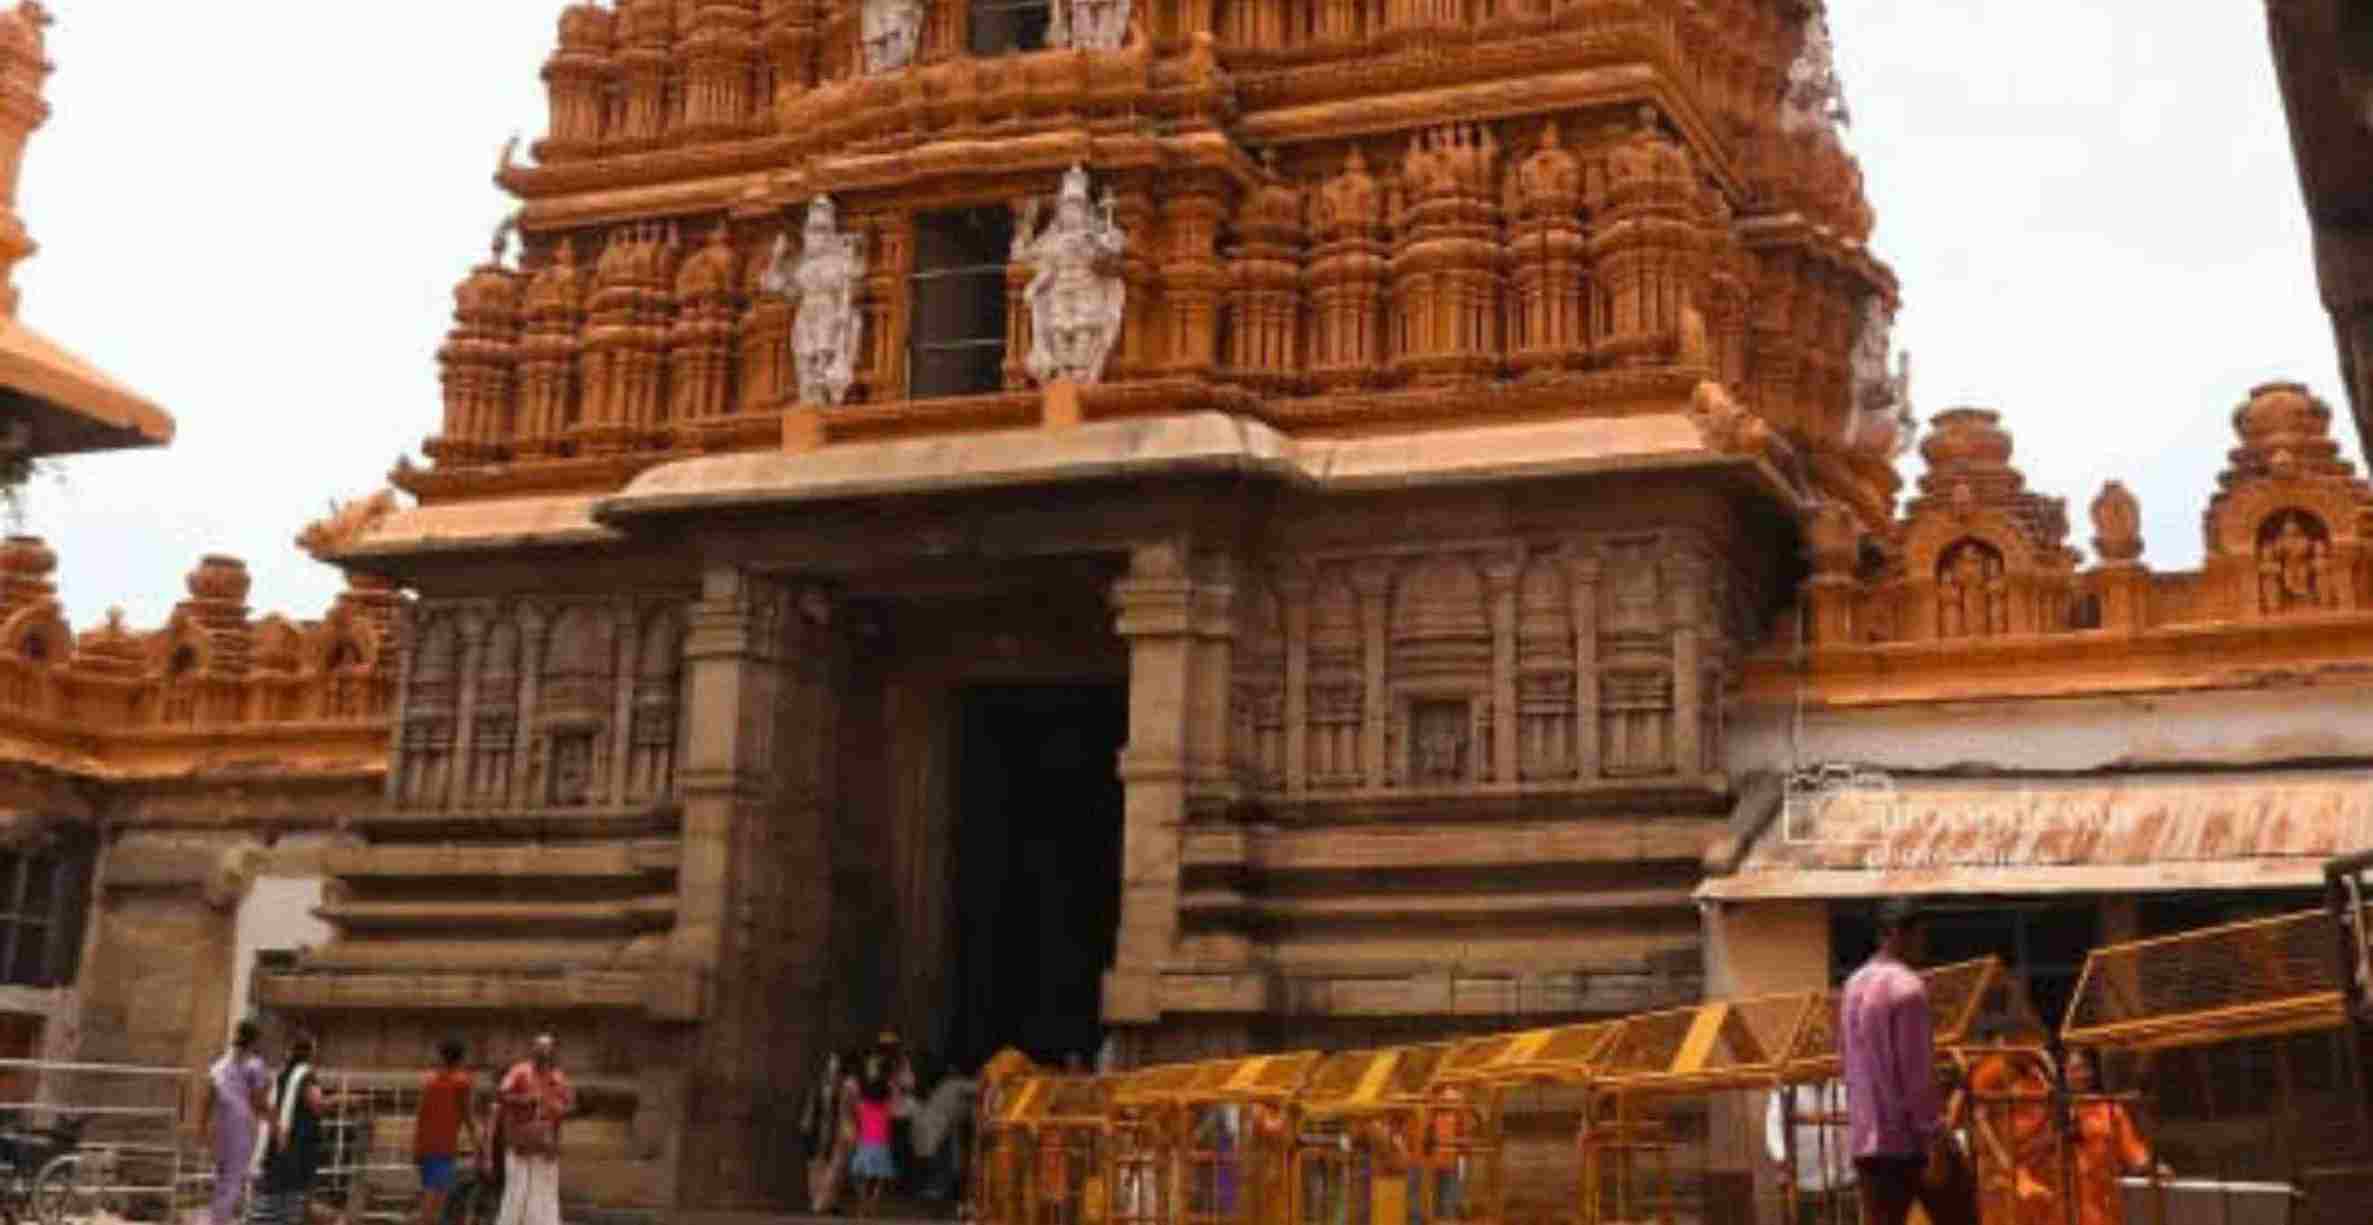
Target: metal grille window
<point x="44" y="895"/>
<point x="956" y="300"/>
<point x="1004" y="27"/>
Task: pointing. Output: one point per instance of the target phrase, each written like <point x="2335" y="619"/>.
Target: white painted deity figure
<point x="1075" y="292"/>
<point x="1815" y="98"/>
<point x="890" y="30"/>
<point x="825" y="332"/>
<point x="1882" y="423"/>
<point x="1089" y="25"/>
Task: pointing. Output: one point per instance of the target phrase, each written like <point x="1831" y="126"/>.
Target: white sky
<point x="255" y="214"/>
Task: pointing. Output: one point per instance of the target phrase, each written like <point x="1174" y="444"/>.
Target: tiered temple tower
<point x="1283" y="489"/>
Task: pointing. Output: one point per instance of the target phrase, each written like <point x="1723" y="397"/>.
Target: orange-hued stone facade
<point x="1348" y="570"/>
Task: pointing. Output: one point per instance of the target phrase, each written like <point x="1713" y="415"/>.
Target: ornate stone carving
<point x="1076" y="294"/>
<point x="346" y="523"/>
<point x="1440" y="734"/>
<point x="826" y="278"/>
<point x="1972" y="594"/>
<point x="890" y="30"/>
<point x="2117" y="524"/>
<point x="2294" y="564"/>
<point x="1815" y="100"/>
<point x="1724" y="424"/>
<point x="1089" y="25"/>
<point x="1881" y="425"/>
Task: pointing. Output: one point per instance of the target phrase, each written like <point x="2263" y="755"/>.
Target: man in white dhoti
<point x="535" y="1096"/>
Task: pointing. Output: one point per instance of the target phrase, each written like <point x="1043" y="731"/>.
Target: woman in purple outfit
<point x="237" y="1097"/>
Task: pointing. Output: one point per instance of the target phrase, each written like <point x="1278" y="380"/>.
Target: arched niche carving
<point x="576" y="705"/>
<point x="1440" y="668"/>
<point x="1972" y="590"/>
<point x="38" y="635"/>
<point x="2295" y="565"/>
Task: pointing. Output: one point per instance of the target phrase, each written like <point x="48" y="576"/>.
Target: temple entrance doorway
<point x="1038" y="816"/>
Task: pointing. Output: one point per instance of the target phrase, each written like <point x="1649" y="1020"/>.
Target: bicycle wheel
<point x="61" y="1192"/>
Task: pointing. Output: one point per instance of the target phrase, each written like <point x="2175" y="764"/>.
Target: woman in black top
<point x="295" y="1156"/>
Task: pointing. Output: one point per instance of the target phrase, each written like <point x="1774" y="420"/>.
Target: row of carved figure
<point x="1357" y="282"/>
<point x="1075" y="295"/>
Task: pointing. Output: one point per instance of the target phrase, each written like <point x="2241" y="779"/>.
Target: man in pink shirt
<point x="1894" y="1115"/>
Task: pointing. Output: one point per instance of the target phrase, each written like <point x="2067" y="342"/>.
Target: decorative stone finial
<point x="220" y="579"/>
<point x="27" y="557"/>
<point x="2117" y="524"/>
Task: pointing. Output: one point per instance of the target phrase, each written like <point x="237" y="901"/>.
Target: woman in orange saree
<point x="2107" y="1143"/>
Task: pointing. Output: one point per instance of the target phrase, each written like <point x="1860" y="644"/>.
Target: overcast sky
<point x="255" y="213"/>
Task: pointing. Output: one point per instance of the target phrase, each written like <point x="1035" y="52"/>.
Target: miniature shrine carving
<point x="1076" y="294"/>
<point x="2294" y="564"/>
<point x="825" y="279"/>
<point x="891" y="29"/>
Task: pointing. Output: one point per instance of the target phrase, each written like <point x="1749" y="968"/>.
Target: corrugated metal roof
<point x="2011" y="836"/>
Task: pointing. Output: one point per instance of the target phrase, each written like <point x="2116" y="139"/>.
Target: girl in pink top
<point x="873" y="1165"/>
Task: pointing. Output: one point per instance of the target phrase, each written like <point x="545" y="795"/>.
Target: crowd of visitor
<point x="265" y="1131"/>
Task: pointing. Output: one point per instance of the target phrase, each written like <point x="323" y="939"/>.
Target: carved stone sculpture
<point x="2117" y="524"/>
<point x="1089" y="25"/>
<point x="890" y="29"/>
<point x="825" y="281"/>
<point x="1815" y="99"/>
<point x="346" y="523"/>
<point x="1075" y="292"/>
<point x="1882" y="423"/>
<point x="2294" y="565"/>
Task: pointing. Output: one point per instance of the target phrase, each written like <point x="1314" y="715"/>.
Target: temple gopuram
<point x="1182" y="529"/>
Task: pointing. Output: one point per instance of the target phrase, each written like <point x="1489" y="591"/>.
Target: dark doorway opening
<point x="1038" y="856"/>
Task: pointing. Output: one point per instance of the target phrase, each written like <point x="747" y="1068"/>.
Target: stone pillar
<point x="1293" y="587"/>
<point x="1212" y="669"/>
<point x="1373" y="581"/>
<point x="1155" y="603"/>
<point x="1499" y="575"/>
<point x="744" y="963"/>
<point x="1582" y="573"/>
<point x="526" y="775"/>
<point x="1687" y="585"/>
<point x="461" y="789"/>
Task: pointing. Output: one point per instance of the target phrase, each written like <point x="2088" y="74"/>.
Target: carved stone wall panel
<point x="577" y="706"/>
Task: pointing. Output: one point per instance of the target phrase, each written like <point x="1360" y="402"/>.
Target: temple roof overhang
<point x="67" y="405"/>
<point x="2058" y="835"/>
<point x="1203" y="443"/>
<point x="2323" y="55"/>
<point x="1181" y="447"/>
